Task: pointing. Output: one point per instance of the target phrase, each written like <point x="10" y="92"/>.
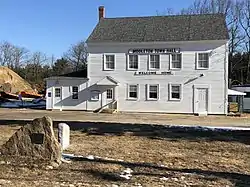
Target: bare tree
<point x="20" y="57"/>
<point x="244" y="21"/>
<point x="208" y="6"/>
<point x="6" y="54"/>
<point x="236" y="36"/>
<point x="12" y="56"/>
<point x="34" y="65"/>
<point x="168" y="11"/>
<point x="77" y="55"/>
<point x="38" y="58"/>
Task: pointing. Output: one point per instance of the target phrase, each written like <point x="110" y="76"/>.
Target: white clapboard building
<point x="170" y="64"/>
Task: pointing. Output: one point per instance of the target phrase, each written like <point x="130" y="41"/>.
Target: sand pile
<point x="12" y="82"/>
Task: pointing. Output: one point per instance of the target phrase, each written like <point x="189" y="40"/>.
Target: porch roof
<point x="234" y="92"/>
<point x="107" y="81"/>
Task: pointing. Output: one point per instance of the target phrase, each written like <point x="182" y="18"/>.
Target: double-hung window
<point x="75" y="92"/>
<point x="109" y="62"/>
<point x="110" y="93"/>
<point x="175" y="91"/>
<point x="57" y="92"/>
<point x="133" y="91"/>
<point x="153" y="92"/>
<point x="202" y="60"/>
<point x="133" y="62"/>
<point x="176" y="62"/>
<point x="154" y="62"/>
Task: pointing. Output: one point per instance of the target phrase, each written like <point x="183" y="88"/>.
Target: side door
<point x="57" y="98"/>
<point x="202" y="100"/>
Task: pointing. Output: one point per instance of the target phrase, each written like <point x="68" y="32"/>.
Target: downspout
<point x="61" y="107"/>
<point x="226" y="79"/>
<point x="52" y="97"/>
<point x="87" y="87"/>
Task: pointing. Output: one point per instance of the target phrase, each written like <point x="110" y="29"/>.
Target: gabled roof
<point x="107" y="81"/>
<point x="161" y="28"/>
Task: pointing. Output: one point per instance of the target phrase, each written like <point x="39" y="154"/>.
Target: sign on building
<point x="161" y="50"/>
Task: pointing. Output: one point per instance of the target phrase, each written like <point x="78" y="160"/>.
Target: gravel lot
<point x="141" y="118"/>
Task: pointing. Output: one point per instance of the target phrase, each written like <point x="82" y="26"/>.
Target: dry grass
<point x="184" y="159"/>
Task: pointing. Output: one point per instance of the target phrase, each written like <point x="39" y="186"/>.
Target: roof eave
<point x="155" y="42"/>
<point x="66" y="78"/>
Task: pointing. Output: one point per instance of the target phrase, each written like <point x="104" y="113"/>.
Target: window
<point x="154" y="62"/>
<point x="133" y="62"/>
<point x="247" y="95"/>
<point x="75" y="92"/>
<point x="95" y="95"/>
<point x="110" y="93"/>
<point x="153" y="92"/>
<point x="57" y="92"/>
<point x="175" y="92"/>
<point x="176" y="61"/>
<point x="109" y="62"/>
<point x="133" y="91"/>
<point x="203" y="60"/>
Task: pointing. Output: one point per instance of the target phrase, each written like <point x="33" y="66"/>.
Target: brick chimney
<point x="101" y="12"/>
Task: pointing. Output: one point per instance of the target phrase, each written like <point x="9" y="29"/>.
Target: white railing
<point x="111" y="105"/>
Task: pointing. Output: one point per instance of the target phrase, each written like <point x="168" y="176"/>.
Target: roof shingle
<point x="160" y="28"/>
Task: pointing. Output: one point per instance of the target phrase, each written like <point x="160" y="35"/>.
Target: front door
<point x="57" y="98"/>
<point x="108" y="98"/>
<point x="110" y="95"/>
<point x="202" y="100"/>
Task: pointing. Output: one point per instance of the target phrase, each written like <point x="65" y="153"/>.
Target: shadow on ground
<point x="172" y="133"/>
<point x="240" y="180"/>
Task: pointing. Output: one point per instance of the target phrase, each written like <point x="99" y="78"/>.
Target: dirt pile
<point x="36" y="140"/>
<point x="12" y="82"/>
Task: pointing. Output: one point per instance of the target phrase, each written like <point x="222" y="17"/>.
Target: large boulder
<point x="34" y="140"/>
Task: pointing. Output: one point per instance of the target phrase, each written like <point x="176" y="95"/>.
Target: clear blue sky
<point x="51" y="26"/>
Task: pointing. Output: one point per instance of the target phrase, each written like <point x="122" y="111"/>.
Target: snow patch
<point x="126" y="174"/>
<point x="209" y="128"/>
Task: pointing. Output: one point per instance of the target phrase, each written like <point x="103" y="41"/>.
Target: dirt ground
<point x="158" y="157"/>
<point x="139" y="118"/>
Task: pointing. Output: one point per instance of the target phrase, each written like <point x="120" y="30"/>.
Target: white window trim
<point x="170" y="91"/>
<point x="133" y="69"/>
<point x="149" y="68"/>
<point x="132" y="98"/>
<point x="97" y="91"/>
<point x="170" y="60"/>
<point x="104" y="62"/>
<point x="158" y="92"/>
<point x="197" y="60"/>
